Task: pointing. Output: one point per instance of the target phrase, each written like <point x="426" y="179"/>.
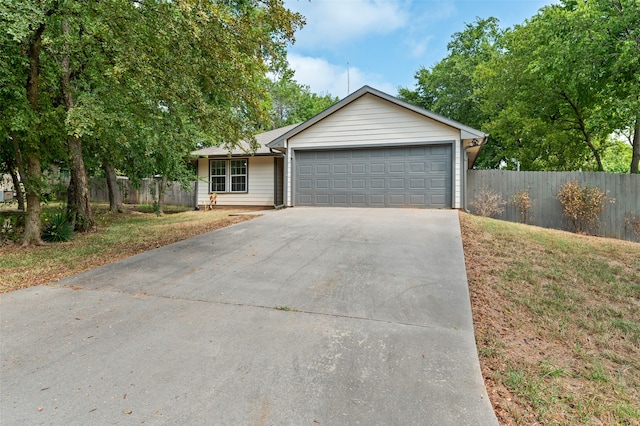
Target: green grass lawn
<point x="557" y="321"/>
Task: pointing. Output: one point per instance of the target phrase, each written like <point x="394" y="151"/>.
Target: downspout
<point x="287" y="161"/>
<point x="275" y="179"/>
<point x="474" y="143"/>
<point x="284" y="176"/>
<point x="195" y="190"/>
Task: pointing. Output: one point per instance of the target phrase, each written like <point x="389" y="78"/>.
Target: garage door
<point x="417" y="176"/>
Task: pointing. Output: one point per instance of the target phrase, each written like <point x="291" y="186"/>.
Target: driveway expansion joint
<point x="250" y="305"/>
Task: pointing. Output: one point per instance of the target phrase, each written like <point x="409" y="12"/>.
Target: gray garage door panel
<point x="417" y="176"/>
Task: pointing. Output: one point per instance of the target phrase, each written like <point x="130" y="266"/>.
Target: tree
<point x="292" y="102"/>
<point x="612" y="28"/>
<point x="78" y="206"/>
<point x="9" y="166"/>
<point x="550" y="92"/>
<point x="618" y="157"/>
<point x="450" y="87"/>
<point x="113" y="65"/>
<point x="219" y="97"/>
<point x="543" y="94"/>
<point x="22" y="70"/>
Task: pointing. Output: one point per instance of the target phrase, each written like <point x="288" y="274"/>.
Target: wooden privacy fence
<point x="144" y="194"/>
<point x="543" y="189"/>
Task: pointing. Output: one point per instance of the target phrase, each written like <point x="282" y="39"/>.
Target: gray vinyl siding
<point x="260" y="184"/>
<point x="370" y="120"/>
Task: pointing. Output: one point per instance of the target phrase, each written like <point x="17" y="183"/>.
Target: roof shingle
<point x="243" y="146"/>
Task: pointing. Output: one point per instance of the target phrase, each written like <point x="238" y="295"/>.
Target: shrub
<point x="9" y="229"/>
<point x="582" y="205"/>
<point x="633" y="223"/>
<point x="58" y="229"/>
<point x="488" y="203"/>
<point x="523" y="203"/>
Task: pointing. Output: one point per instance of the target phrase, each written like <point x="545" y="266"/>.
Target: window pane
<point x="218" y="171"/>
<point x="218" y="184"/>
<point x="238" y="167"/>
<point x="238" y="172"/>
<point x="218" y="168"/>
<point x="238" y="183"/>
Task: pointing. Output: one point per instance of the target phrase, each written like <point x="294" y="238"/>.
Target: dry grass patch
<point x="557" y="323"/>
<point x="116" y="236"/>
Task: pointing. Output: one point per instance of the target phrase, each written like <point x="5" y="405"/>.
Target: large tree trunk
<point x="32" y="176"/>
<point x="115" y="200"/>
<point x="161" y="190"/>
<point x="635" y="158"/>
<point x="79" y="207"/>
<point x="71" y="196"/>
<point x="32" y="224"/>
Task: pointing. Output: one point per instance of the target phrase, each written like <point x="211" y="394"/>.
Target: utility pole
<point x="348" y="82"/>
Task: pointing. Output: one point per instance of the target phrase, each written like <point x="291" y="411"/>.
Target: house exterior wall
<point x="260" y="184"/>
<point x="371" y="121"/>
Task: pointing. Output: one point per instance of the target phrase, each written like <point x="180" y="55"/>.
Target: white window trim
<point x="228" y="176"/>
<point x="211" y="176"/>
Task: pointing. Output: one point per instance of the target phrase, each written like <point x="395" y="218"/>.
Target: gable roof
<point x="466" y="132"/>
<point x="243" y="148"/>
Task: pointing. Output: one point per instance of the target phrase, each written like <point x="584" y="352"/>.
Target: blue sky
<point x="384" y="41"/>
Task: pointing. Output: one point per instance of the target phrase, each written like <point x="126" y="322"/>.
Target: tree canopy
<point x="554" y="92"/>
<point x="292" y="102"/>
<point x="131" y="84"/>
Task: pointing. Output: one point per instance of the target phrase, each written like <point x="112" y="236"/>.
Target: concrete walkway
<point x="302" y="316"/>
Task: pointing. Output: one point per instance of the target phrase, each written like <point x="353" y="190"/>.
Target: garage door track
<point x="301" y="317"/>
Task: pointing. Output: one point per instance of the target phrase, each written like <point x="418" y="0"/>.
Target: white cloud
<point x="425" y="26"/>
<point x="418" y="46"/>
<point x="324" y="77"/>
<point x="331" y="23"/>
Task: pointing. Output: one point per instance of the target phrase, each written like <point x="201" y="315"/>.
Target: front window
<point x="218" y="175"/>
<point x="228" y="175"/>
<point x="239" y="175"/>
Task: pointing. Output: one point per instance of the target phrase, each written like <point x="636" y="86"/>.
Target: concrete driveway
<point x="299" y="317"/>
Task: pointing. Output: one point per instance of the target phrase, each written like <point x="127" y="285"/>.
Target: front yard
<point x="556" y="315"/>
<point x="557" y="323"/>
<point x="116" y="236"/>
